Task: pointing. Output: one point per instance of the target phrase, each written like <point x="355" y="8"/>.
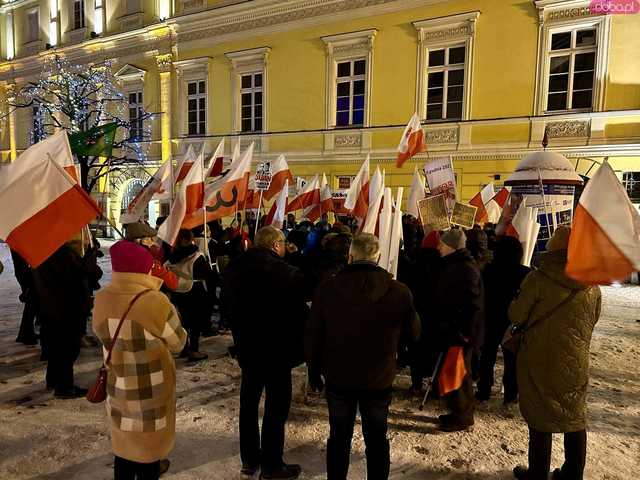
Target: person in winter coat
<point x="458" y="308"/>
<point x="354" y="348"/>
<point x="22" y="271"/>
<point x="558" y="316"/>
<point x="64" y="298"/>
<point x="502" y="279"/>
<point x="268" y="337"/>
<point x="141" y="383"/>
<point x="191" y="297"/>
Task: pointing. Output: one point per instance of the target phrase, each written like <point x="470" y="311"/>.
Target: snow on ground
<point x="45" y="438"/>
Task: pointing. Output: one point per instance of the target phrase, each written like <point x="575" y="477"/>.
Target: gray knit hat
<point x="454" y="238"/>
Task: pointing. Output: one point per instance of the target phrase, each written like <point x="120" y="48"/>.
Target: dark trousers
<point x="276" y="383"/>
<point x="461" y="403"/>
<point x="374" y="411"/>
<point x="63" y="349"/>
<point x="124" y="469"/>
<point x="488" y="363"/>
<point x="575" y="455"/>
<point x="27" y="330"/>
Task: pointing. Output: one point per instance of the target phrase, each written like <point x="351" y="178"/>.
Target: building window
<point x="350" y="92"/>
<point x="78" y="14"/>
<point x="445" y="83"/>
<point x="572" y="63"/>
<point x="37" y="124"/>
<point x="251" y="102"/>
<point x="136" y="111"/>
<point x="33" y="26"/>
<point x="197" y="107"/>
<point x="445" y="58"/>
<point x="631" y="182"/>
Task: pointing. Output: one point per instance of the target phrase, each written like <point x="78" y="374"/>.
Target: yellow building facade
<point x="328" y="81"/>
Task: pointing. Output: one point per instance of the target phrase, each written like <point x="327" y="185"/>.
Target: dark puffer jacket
<point x="553" y="361"/>
<point x="356" y="322"/>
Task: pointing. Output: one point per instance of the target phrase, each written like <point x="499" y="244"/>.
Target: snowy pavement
<point x="45" y="438"/>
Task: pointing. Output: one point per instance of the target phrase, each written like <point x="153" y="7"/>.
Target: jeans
<point x="575" y="455"/>
<point x="276" y="383"/>
<point x="374" y="410"/>
<point x="124" y="469"/>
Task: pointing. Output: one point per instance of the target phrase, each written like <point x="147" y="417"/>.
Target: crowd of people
<point x="313" y="293"/>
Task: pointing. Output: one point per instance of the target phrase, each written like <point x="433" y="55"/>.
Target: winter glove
<point x="315" y="382"/>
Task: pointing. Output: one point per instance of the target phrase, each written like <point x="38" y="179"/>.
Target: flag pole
<point x="544" y="201"/>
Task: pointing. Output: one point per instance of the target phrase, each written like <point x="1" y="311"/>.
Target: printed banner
<point x="441" y="179"/>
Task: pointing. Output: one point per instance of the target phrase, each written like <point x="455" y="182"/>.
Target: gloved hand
<point x="315" y="382"/>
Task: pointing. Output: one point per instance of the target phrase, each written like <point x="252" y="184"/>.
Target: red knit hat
<point x="129" y="257"/>
<point x="431" y="240"/>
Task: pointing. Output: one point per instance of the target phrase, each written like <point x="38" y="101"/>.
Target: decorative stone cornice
<point x="248" y="58"/>
<point x="164" y="62"/>
<point x="348" y="141"/>
<point x="361" y="41"/>
<point x="575" y="128"/>
<point x="447" y="28"/>
<point x="562" y="10"/>
<point x="441" y="135"/>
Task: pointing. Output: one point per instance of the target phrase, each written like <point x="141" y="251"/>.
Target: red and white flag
<point x="604" y="246"/>
<point x="277" y="213"/>
<point x="185" y="164"/>
<point x="376" y="194"/>
<point x="483" y="202"/>
<point x="164" y="190"/>
<point x="43" y="206"/>
<point x="252" y="198"/>
<point x="216" y="163"/>
<point x="357" y="201"/>
<point x="136" y="208"/>
<point x="222" y="197"/>
<point x="325" y="204"/>
<point x="187" y="203"/>
<point x="412" y="141"/>
<point x="280" y="173"/>
<point x="309" y="196"/>
<point x="416" y="193"/>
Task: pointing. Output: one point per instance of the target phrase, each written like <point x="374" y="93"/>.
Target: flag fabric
<point x="252" y="198"/>
<point x="357" y="201"/>
<point x="96" y="141"/>
<point x="47" y="206"/>
<point x="525" y="227"/>
<point x="396" y="235"/>
<point x="453" y="371"/>
<point x="276" y="215"/>
<point x="376" y="189"/>
<point x="309" y="196"/>
<point x="483" y="202"/>
<point x="386" y="223"/>
<point x="222" y="197"/>
<point x="216" y="163"/>
<point x="412" y="141"/>
<point x="280" y="173"/>
<point x="604" y="245"/>
<point x="325" y="203"/>
<point x="188" y="202"/>
<point x="60" y="152"/>
<point x="185" y="164"/>
<point x="416" y="193"/>
<point x="501" y="197"/>
<point x="164" y="189"/>
<point x="136" y="208"/>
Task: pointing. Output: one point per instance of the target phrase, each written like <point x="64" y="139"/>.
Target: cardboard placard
<point x="441" y="178"/>
<point x="464" y="215"/>
<point x="433" y="212"/>
<point x="263" y="176"/>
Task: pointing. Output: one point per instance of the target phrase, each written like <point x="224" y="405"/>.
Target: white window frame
<point x="442" y="33"/>
<point x="348" y="47"/>
<point x="138" y="106"/>
<point x="32" y="36"/>
<point x="83" y="14"/>
<point x="245" y="62"/>
<point x="252" y="90"/>
<point x="199" y="111"/>
<point x="188" y="71"/>
<point x="445" y="69"/>
<point x="561" y="16"/>
<point x="351" y="79"/>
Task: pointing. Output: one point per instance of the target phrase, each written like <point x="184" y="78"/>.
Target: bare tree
<point x="79" y="99"/>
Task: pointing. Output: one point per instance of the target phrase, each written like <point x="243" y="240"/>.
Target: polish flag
<point x="136" y="208"/>
<point x="357" y="201"/>
<point x="416" y="193"/>
<point x="482" y="200"/>
<point x="216" y="163"/>
<point x="501" y="197"/>
<point x="222" y="197"/>
<point x="308" y="196"/>
<point x="280" y="173"/>
<point x="185" y="164"/>
<point x="188" y="202"/>
<point x="43" y="205"/>
<point x="163" y="191"/>
<point x="252" y="198"/>
<point x="376" y="195"/>
<point x="325" y="204"/>
<point x="604" y="246"/>
<point x="412" y="141"/>
<point x="276" y="215"/>
<point x="525" y="227"/>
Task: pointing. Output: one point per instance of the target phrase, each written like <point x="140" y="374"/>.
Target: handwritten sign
<point x="433" y="212"/>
